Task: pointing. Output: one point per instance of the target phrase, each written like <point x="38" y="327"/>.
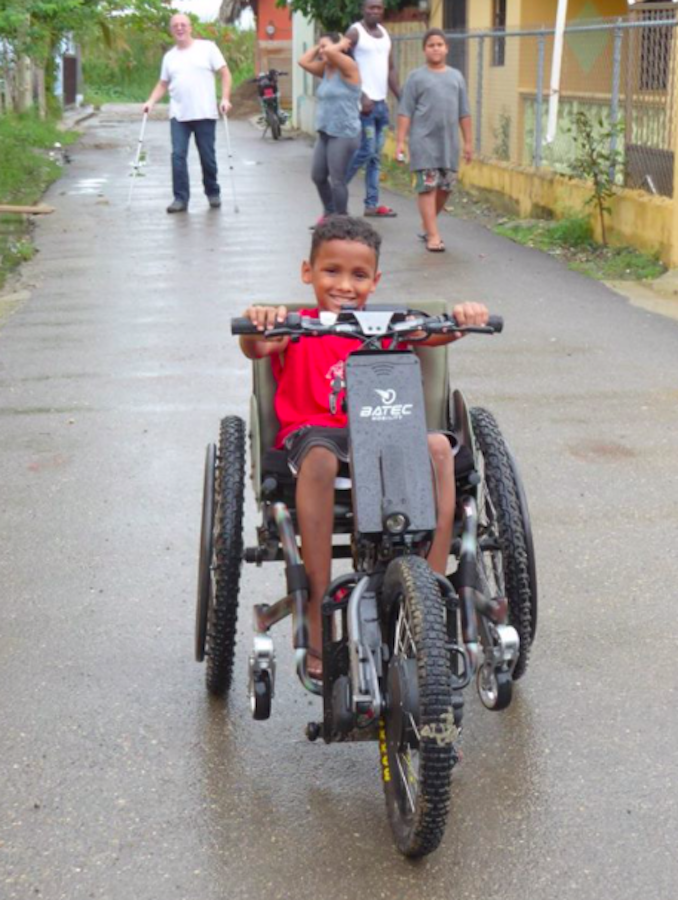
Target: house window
<point x="655" y="45"/>
<point x="498" y="24"/>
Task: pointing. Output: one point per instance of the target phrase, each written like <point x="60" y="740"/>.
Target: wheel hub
<point x="403" y="701"/>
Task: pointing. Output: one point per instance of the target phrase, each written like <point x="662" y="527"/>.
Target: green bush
<point x="126" y="68"/>
<point x="25" y="172"/>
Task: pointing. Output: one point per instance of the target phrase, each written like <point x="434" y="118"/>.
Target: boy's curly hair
<point x="345" y="228"/>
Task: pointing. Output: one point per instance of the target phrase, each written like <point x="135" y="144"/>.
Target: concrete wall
<point x="637" y="219"/>
<point x="303" y="89"/>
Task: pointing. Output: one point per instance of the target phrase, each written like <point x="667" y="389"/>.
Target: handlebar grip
<point x="496" y="323"/>
<point x="243" y="325"/>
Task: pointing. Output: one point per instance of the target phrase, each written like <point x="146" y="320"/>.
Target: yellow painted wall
<point x="637" y="219"/>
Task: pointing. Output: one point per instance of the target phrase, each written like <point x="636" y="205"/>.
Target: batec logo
<point x="388" y="410"/>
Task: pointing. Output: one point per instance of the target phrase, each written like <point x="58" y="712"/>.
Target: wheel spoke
<point x="405" y="782"/>
<point x="412" y="648"/>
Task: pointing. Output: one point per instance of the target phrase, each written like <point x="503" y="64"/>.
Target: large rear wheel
<point x="227" y="555"/>
<point x="273" y="123"/>
<point x="504" y="531"/>
<point x="418" y="731"/>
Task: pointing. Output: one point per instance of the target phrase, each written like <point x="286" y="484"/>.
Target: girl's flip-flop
<point x="422" y="235"/>
<point x="381" y="212"/>
<point x="436" y="248"/>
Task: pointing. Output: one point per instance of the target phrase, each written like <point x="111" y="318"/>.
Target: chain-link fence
<point x="621" y="74"/>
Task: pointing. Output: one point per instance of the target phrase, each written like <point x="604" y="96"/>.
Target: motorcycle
<point x="269" y="98"/>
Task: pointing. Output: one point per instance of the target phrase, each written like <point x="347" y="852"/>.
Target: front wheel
<point x="418" y="731"/>
<point x="273" y="123"/>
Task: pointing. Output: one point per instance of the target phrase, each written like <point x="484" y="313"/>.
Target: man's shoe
<point x="214" y="201"/>
<point x="177" y="206"/>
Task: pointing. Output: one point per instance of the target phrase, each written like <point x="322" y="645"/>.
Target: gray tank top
<point x="338" y="110"/>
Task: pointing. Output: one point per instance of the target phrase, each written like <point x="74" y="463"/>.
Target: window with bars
<point x="656" y="43"/>
<point x="498" y="24"/>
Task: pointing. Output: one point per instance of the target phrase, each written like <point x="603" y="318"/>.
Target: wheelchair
<point x="400" y="643"/>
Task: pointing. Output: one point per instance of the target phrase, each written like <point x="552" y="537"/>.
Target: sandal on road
<point x="437" y="247"/>
<point x="380" y="212"/>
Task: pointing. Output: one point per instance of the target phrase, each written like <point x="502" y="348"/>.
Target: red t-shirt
<point x="304" y="373"/>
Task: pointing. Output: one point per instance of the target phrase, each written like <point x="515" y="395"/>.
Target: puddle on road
<point x="88" y="186"/>
<point x="44" y="410"/>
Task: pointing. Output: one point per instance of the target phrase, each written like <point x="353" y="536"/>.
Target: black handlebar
<point x="293" y="321"/>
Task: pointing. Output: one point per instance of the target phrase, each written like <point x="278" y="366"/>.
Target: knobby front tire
<point x="417" y="751"/>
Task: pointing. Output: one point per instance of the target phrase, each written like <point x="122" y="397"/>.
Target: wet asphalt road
<point x="120" y="778"/>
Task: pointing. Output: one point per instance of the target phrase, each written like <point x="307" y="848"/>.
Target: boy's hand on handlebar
<point x="266" y="317"/>
<point x="470" y="314"/>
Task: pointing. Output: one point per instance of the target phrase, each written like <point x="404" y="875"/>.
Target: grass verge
<point x="572" y="240"/>
<point x="25" y="173"/>
<point x="569" y="239"/>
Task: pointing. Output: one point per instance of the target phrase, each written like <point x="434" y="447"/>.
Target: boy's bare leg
<point x="443" y="466"/>
<point x="428" y="213"/>
<point x="441" y="200"/>
<point x="315" y="514"/>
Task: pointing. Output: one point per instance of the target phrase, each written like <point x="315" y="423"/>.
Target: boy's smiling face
<point x="343" y="272"/>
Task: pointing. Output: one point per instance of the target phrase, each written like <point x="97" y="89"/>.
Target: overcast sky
<point x="208" y="9"/>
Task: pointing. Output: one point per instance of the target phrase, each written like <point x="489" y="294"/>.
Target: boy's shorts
<point x="427" y="180"/>
<point x="302" y="440"/>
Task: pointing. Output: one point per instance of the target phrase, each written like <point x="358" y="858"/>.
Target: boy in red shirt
<point x="343" y="269"/>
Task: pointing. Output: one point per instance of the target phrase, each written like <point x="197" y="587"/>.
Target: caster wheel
<point x="262" y="693"/>
<point x="494" y="688"/>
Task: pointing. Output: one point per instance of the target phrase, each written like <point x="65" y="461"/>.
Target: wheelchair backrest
<point x="434" y="367"/>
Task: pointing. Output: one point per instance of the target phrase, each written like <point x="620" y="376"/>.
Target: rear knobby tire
<point x="273" y="123"/>
<point x="227" y="556"/>
<point x="417" y="805"/>
<point x="503" y="513"/>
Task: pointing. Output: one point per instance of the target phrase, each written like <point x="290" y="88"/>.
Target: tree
<point x="597" y="160"/>
<point x="229" y="11"/>
<point x="333" y="15"/>
<point x="36" y="29"/>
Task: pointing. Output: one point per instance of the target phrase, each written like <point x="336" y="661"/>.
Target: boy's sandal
<point x="381" y="212"/>
<point x="435" y="248"/>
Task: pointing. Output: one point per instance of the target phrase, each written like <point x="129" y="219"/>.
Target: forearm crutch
<point x="230" y="162"/>
<point x="136" y="165"/>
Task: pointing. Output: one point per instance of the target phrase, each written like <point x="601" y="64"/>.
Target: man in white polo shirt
<point x="188" y="71"/>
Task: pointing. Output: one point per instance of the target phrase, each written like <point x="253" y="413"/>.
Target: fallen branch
<point x="27" y="210"/>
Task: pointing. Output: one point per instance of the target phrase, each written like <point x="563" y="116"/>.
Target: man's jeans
<point x="205" y="132"/>
<point x="369" y="153"/>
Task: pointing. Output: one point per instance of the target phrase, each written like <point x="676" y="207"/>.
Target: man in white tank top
<point x="373" y="53"/>
<point x="188" y="71"/>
